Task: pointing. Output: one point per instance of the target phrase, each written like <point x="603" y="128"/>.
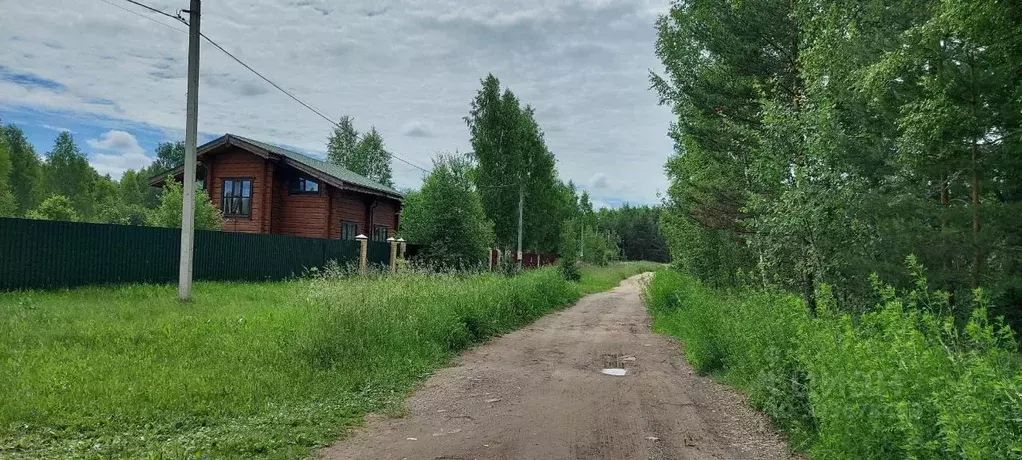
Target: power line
<point x="154" y="10"/>
<point x="136" y="13"/>
<point x="250" y="69"/>
<point x="296" y="99"/>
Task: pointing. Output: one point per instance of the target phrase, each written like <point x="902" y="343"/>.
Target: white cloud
<point x="126" y="153"/>
<point x="115" y="165"/>
<point x="56" y="128"/>
<point x="599" y="181"/>
<point x="119" y="141"/>
<point x="583" y="64"/>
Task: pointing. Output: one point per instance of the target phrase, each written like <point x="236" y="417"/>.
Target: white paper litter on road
<point x="616" y="372"/>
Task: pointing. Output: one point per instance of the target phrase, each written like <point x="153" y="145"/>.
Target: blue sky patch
<point x="29" y="80"/>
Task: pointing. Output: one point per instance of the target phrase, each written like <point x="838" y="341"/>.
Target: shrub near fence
<point x="49" y="254"/>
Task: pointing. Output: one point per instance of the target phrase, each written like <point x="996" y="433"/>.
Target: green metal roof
<point x="336" y="171"/>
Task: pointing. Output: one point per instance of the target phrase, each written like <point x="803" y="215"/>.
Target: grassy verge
<point x="900" y="381"/>
<point x="245" y="370"/>
<point x="599" y="279"/>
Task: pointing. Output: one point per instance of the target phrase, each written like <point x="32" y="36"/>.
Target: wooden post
<point x="393" y="255"/>
<point x="403" y="247"/>
<point x="363" y="244"/>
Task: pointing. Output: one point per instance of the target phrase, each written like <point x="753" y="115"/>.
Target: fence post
<point x="403" y="247"/>
<point x="363" y="245"/>
<point x="393" y="255"/>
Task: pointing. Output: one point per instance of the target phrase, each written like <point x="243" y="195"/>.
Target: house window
<point x="380" y="232"/>
<point x="304" y="185"/>
<point x="349" y="230"/>
<point x="237" y="198"/>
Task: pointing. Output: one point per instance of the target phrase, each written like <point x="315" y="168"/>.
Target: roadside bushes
<point x="900" y="381"/>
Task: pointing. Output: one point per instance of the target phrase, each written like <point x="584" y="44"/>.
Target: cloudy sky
<point x="116" y="80"/>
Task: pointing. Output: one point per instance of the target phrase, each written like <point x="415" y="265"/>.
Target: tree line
<point x="470" y="202"/>
<point x="62" y="185"/>
<point x="822" y="141"/>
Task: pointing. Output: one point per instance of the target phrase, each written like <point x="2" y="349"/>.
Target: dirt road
<point x="539" y="393"/>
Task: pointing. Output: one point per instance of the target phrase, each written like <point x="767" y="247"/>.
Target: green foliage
<point x="119" y="212"/>
<point x="513" y="161"/>
<point x="56" y="207"/>
<point x="820" y="141"/>
<point x="340" y="149"/>
<point x="569" y="269"/>
<point x="169" y="155"/>
<point x="372" y="159"/>
<point x="168" y="213"/>
<point x="68" y="173"/>
<point x="447" y="217"/>
<point x="26" y="170"/>
<point x="366" y="156"/>
<point x="8" y="205"/>
<point x="901" y="381"/>
<point x="637" y="229"/>
<point x="583" y="242"/>
<point x="507" y="266"/>
<point x="135" y="189"/>
<point x="244" y="370"/>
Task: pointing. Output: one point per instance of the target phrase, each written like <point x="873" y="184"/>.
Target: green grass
<point x="599" y="279"/>
<point x="901" y="380"/>
<point x="248" y="370"/>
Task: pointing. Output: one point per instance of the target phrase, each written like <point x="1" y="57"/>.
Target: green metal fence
<point x="47" y="254"/>
<point x="378" y="253"/>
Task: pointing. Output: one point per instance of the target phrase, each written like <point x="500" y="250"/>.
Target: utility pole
<point x="581" y="240"/>
<point x="521" y="206"/>
<point x="184" y="276"/>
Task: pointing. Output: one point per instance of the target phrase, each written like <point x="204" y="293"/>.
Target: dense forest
<point x="818" y="142"/>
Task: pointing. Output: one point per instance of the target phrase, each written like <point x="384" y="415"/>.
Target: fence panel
<point x="378" y="253"/>
<point x="343" y="251"/>
<point x="46" y="254"/>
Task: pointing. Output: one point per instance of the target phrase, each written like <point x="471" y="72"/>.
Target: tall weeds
<point x="246" y="369"/>
<point x="902" y="380"/>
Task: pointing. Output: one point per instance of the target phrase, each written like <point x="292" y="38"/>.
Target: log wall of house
<point x="239" y="165"/>
<point x="300" y="214"/>
<point x="385" y="214"/>
<point x="275" y="210"/>
<point x="346" y="206"/>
